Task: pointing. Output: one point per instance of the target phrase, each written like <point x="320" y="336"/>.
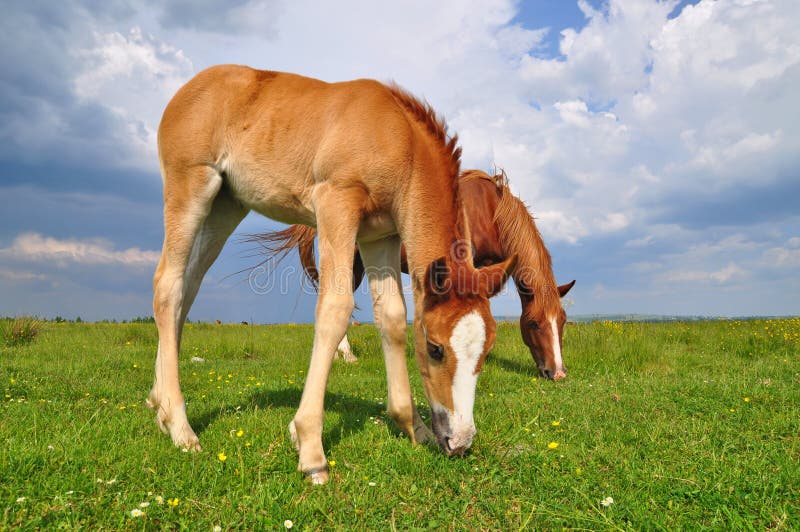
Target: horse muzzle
<point x="453" y="433"/>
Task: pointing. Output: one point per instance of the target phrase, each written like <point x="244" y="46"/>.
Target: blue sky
<point x="657" y="143"/>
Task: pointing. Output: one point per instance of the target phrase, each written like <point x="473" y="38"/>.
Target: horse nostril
<point x="548" y="374"/>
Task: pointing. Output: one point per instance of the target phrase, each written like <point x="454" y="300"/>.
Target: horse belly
<point x="271" y="194"/>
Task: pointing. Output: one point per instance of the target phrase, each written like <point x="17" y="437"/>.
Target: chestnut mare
<point x="500" y="226"/>
<point x="363" y="162"/>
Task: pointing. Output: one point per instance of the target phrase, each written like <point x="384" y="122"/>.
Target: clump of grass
<point x="20" y="331"/>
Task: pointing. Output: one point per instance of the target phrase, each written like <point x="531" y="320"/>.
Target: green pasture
<point x="683" y="425"/>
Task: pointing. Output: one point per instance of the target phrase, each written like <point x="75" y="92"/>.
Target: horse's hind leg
<point x="199" y="215"/>
<point x="382" y="260"/>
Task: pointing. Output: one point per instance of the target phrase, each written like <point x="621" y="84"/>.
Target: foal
<point x="362" y="162"/>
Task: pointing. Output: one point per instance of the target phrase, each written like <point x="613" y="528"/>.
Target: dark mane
<point x="435" y="124"/>
<point x="519" y="235"/>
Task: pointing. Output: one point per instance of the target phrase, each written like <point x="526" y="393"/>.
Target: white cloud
<point x="613" y="221"/>
<point x="725" y="275"/>
<point x="787" y="256"/>
<point x="34" y="247"/>
<point x="133" y="76"/>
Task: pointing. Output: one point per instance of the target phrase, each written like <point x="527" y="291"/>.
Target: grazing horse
<point x="500" y="226"/>
<point x="362" y="162"/>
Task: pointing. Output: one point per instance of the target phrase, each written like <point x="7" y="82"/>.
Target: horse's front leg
<point x="337" y="227"/>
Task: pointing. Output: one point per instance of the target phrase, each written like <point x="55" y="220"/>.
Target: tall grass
<point x="19" y="331"/>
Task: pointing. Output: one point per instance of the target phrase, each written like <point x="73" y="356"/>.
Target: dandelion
<point x="135" y="366"/>
<point x="248" y="444"/>
<point x="173" y="502"/>
<point x="288" y="524"/>
<point x="136" y="513"/>
<point x="332" y="463"/>
<point x="552" y="445"/>
<point x="239" y="433"/>
<point x="222" y="456"/>
<point x="608" y="501"/>
<point x="556" y="423"/>
<point x="746" y="399"/>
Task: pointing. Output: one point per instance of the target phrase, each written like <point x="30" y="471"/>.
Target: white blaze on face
<point x="556" y="345"/>
<point x="467" y="342"/>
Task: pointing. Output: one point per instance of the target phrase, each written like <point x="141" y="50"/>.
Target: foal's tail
<point x="277" y="244"/>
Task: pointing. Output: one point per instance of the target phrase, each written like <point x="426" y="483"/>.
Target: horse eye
<point x="436" y="352"/>
<point x="533" y="325"/>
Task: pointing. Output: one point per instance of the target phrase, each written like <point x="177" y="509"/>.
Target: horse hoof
<point x="318" y="477"/>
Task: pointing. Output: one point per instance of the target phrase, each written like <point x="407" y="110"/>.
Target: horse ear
<point x="564" y="288"/>
<point x="492" y="278"/>
<point x="437" y="278"/>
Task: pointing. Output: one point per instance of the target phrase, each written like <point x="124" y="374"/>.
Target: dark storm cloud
<point x="43" y="124"/>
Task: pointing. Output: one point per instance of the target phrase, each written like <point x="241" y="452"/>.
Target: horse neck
<point x="519" y="236"/>
<point x="432" y="223"/>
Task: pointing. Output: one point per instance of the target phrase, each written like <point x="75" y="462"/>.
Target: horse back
<point x="275" y="136"/>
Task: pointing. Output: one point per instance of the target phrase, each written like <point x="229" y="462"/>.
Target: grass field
<point x="685" y="426"/>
